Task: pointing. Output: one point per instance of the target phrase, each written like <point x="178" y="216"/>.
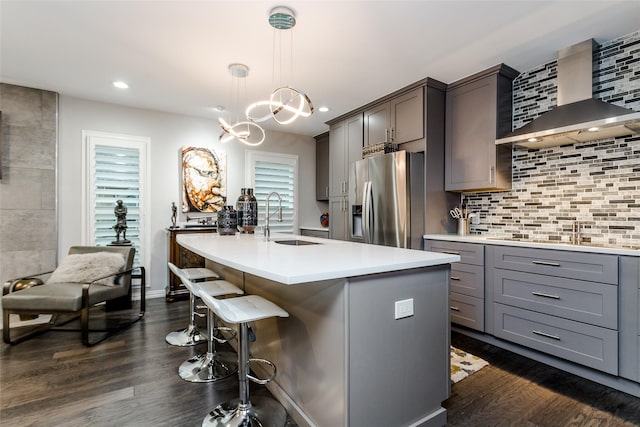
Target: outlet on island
<point x="404" y="308"/>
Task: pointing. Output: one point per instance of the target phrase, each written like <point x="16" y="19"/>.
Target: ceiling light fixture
<point x="285" y="104"/>
<point x="247" y="132"/>
<point x="121" y="85"/>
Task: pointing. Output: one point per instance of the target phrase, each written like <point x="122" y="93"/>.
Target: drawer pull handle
<point x="547" y="263"/>
<point x="544" y="334"/>
<point x="541" y="294"/>
<point x="455" y="278"/>
<point x="454" y="308"/>
<point x="451" y="252"/>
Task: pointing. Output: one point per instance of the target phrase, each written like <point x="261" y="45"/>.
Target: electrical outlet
<point x="404" y="308"/>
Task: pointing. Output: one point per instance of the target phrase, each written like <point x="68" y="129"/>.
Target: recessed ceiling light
<point x="593" y="129"/>
<point x="323" y="109"/>
<point x="121" y="85"/>
<point x="532" y="139"/>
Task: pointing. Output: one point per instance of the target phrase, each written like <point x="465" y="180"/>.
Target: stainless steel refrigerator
<point x="386" y="200"/>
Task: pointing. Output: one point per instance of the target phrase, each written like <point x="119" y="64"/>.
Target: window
<point x="115" y="169"/>
<point x="267" y="172"/>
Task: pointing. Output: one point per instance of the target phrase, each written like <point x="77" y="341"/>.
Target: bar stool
<point x="260" y="411"/>
<point x="190" y="335"/>
<point x="212" y="365"/>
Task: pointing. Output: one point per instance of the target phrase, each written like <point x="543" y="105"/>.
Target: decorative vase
<point x="247" y="207"/>
<point x="227" y="220"/>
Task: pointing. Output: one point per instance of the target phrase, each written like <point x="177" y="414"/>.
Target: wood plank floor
<point x="517" y="391"/>
<point x="131" y="380"/>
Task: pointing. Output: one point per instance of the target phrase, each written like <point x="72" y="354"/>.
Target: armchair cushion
<point x="87" y="267"/>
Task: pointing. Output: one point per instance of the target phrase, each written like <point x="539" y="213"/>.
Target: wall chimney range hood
<point x="578" y="117"/>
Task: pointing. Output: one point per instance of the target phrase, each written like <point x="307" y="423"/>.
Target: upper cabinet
<point x="345" y="146"/>
<point x="478" y="112"/>
<point x="398" y="120"/>
<point x="322" y="166"/>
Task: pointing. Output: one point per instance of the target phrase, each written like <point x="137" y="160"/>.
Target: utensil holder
<point x="463" y="226"/>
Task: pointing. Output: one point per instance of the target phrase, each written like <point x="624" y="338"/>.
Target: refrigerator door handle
<point x="367" y="212"/>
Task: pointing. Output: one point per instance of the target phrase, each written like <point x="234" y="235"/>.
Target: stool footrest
<point x="259" y="380"/>
<point x="230" y="331"/>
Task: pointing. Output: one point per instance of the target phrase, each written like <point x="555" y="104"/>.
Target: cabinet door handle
<point x="451" y="252"/>
<point x="455" y="278"/>
<point x="326" y="191"/>
<point x="386" y="135"/>
<point x="491" y="174"/>
<point x="454" y="308"/>
<point x="391" y="131"/>
<point x="547" y="263"/>
<point x="544" y="334"/>
<point x="541" y="294"/>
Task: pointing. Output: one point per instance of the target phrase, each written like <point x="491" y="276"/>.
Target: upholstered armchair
<point x="89" y="276"/>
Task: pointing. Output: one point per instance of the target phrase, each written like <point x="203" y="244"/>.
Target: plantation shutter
<point x="116" y="177"/>
<point x="274" y="174"/>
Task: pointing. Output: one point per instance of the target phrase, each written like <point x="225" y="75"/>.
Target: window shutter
<point x="117" y="177"/>
<point x="280" y="177"/>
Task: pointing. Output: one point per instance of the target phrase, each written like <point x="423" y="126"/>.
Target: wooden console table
<point x="182" y="258"/>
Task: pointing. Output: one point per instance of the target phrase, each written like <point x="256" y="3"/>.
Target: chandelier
<point x="286" y="103"/>
<point x="245" y="131"/>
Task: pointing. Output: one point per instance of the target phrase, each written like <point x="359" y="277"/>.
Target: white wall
<point x="168" y="133"/>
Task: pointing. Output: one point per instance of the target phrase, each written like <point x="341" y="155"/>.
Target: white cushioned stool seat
<point x="243" y="309"/>
<point x="199" y="273"/>
<point x="215" y="288"/>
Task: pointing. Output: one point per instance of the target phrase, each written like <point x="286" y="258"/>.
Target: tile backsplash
<point x="596" y="183"/>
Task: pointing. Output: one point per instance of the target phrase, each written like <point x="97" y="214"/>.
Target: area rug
<point x="464" y="364"/>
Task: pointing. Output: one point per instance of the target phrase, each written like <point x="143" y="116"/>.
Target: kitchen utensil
<point x="456" y="213"/>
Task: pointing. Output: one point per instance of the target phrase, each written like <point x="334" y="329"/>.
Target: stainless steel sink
<point x="295" y="242"/>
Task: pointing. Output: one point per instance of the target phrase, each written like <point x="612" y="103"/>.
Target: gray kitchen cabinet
<point x="466" y="302"/>
<point x="338" y="217"/>
<point x="478" y="110"/>
<point x="630" y="318"/>
<point x="397" y="121"/>
<point x="322" y="167"/>
<point x="345" y="147"/>
<point x="323" y="234"/>
<point x="561" y="303"/>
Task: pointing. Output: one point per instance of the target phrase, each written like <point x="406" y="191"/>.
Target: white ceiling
<point x="175" y="54"/>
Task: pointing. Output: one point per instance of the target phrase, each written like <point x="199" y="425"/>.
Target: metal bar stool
<point x="260" y="411"/>
<point x="190" y="335"/>
<point x="212" y="365"/>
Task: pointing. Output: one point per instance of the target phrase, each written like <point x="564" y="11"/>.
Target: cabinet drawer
<point x="589" y="302"/>
<point x="467" y="279"/>
<point x="469" y="253"/>
<point x="573" y="265"/>
<point x="467" y="311"/>
<point x="578" y="342"/>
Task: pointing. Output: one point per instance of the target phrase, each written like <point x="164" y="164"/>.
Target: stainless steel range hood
<point x="578" y="117"/>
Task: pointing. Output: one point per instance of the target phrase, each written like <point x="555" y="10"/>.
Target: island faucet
<point x="267" y="214"/>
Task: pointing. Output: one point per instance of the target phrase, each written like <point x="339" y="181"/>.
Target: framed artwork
<point x="204" y="180"/>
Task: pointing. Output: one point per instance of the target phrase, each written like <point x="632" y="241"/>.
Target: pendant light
<point x="247" y="132"/>
<point x="285" y="104"/>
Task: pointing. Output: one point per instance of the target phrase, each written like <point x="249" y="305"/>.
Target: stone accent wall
<point x="596" y="183"/>
<point x="28" y="229"/>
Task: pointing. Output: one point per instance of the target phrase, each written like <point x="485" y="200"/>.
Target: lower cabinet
<point x="467" y="282"/>
<point x="538" y="305"/>
<point x="577" y="306"/>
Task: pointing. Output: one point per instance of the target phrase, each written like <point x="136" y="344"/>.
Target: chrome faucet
<point x="267" y="214"/>
<point x="576" y="233"/>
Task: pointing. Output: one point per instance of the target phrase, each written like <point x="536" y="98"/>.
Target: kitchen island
<point x="347" y="355"/>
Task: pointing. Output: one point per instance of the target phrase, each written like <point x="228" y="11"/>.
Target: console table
<point x="182" y="258"/>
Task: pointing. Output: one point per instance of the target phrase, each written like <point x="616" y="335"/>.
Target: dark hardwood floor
<point x="131" y="380"/>
<point x="517" y="391"/>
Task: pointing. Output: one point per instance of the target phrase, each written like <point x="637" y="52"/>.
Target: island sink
<point x="295" y="242"/>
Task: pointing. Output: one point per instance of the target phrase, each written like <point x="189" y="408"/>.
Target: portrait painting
<point x="204" y="177"/>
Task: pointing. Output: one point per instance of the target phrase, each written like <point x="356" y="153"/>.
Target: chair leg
<point x="209" y="366"/>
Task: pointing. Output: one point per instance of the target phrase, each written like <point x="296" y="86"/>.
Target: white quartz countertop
<point x="499" y="240"/>
<point x="331" y="259"/>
